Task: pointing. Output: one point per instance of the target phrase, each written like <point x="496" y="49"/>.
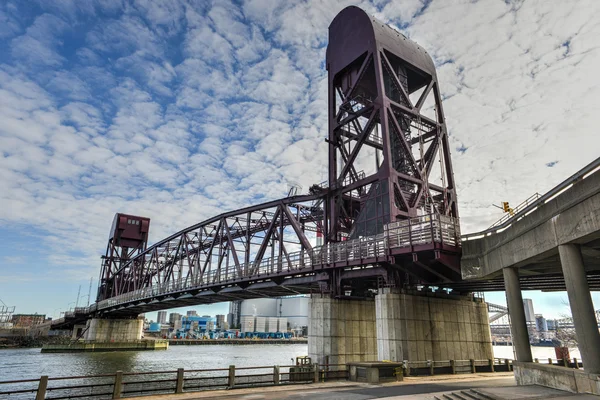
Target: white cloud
<point x="182" y="110"/>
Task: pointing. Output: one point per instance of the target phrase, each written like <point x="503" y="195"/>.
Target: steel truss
<point x="234" y="244"/>
<point x="388" y="212"/>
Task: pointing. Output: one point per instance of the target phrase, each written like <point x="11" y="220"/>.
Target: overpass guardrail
<point x="531" y="204"/>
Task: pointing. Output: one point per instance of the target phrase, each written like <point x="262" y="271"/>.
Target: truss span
<point x="204" y="278"/>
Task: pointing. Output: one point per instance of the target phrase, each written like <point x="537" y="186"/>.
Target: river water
<point x="30" y="363"/>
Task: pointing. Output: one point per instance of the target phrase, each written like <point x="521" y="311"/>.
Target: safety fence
<point x="132" y="384"/>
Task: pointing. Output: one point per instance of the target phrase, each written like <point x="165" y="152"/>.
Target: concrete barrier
<point x="568" y="379"/>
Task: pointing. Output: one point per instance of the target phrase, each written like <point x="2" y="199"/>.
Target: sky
<point x="181" y="110"/>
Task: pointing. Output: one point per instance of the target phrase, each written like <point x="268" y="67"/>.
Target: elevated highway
<point x="530" y="240"/>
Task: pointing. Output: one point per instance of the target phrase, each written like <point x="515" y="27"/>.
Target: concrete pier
<point x="582" y="307"/>
<point x="514" y="299"/>
<point x="114" y="330"/>
<point x="428" y="326"/>
<point x="397" y="327"/>
<point x="341" y="331"/>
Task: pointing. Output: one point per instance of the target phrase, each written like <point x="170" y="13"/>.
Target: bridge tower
<point x="389" y="157"/>
<point x="128" y="237"/>
<point x="390" y="168"/>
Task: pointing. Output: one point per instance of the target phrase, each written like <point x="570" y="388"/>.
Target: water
<point x="31" y="364"/>
<point x="543" y="353"/>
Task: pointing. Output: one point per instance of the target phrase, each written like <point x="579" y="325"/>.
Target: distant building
<point x="27" y="320"/>
<point x="552" y="324"/>
<point x="529" y="313"/>
<point x="220" y="321"/>
<point x="174" y="317"/>
<point x="162" y="317"/>
<point x="293" y="308"/>
<point x="192" y="313"/>
<point x="540" y="323"/>
<point x="195" y="322"/>
<point x="233" y="318"/>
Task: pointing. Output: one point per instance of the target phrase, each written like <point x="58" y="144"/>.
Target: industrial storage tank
<point x="272" y="324"/>
<point x="292" y="311"/>
<point x="259" y="308"/>
<point x="260" y="324"/>
<point x="247" y="323"/>
<point x="295" y="309"/>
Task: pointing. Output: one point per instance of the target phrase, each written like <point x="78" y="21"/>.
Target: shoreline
<point x="234" y="342"/>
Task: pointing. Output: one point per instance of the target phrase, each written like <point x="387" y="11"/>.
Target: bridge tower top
<point x="389" y="156"/>
<point x="128" y="237"/>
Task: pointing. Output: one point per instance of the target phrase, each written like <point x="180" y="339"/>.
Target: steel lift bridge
<point x="387" y="214"/>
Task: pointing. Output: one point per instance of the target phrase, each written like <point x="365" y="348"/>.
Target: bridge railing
<point x="432" y="228"/>
<point x="532" y="204"/>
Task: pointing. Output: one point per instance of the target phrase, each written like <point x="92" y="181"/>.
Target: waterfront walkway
<point x="488" y="386"/>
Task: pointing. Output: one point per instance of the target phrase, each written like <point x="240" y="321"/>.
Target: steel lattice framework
<point x="388" y="213"/>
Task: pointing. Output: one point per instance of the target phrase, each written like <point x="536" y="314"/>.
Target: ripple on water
<point x="30" y="363"/>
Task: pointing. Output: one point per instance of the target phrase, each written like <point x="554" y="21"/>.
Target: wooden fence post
<point x="276" y="375"/>
<point x="491" y="362"/>
<point x="316" y="377"/>
<point x="231" y="379"/>
<point x="41" y="390"/>
<point x="576" y="363"/>
<point x="473" y="368"/>
<point x="453" y="366"/>
<point x="179" y="387"/>
<point x="118" y="387"/>
<point x="431" y="372"/>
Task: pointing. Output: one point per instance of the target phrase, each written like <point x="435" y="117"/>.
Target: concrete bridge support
<point x="431" y="326"/>
<point x="114" y="330"/>
<point x="398" y="326"/>
<point x="582" y="307"/>
<point x="514" y="300"/>
<point x="341" y="331"/>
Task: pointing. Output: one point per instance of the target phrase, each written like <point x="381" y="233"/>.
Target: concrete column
<point x="514" y="299"/>
<point x="420" y="326"/>
<point x="341" y="331"/>
<point x="582" y="308"/>
<point x="114" y="330"/>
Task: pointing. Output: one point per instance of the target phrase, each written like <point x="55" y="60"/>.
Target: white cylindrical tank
<point x="260" y="324"/>
<point x="282" y="324"/>
<point x="259" y="307"/>
<point x="272" y="324"/>
<point x="295" y="309"/>
<point x="247" y="323"/>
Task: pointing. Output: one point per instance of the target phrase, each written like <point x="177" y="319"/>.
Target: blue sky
<point x="179" y="110"/>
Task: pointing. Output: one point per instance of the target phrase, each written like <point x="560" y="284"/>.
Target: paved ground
<point x="499" y="386"/>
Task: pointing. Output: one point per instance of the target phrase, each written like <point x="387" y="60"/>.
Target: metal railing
<point x="132" y="384"/>
<point x="433" y="228"/>
<point x="557" y="190"/>
<point x="529" y="201"/>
